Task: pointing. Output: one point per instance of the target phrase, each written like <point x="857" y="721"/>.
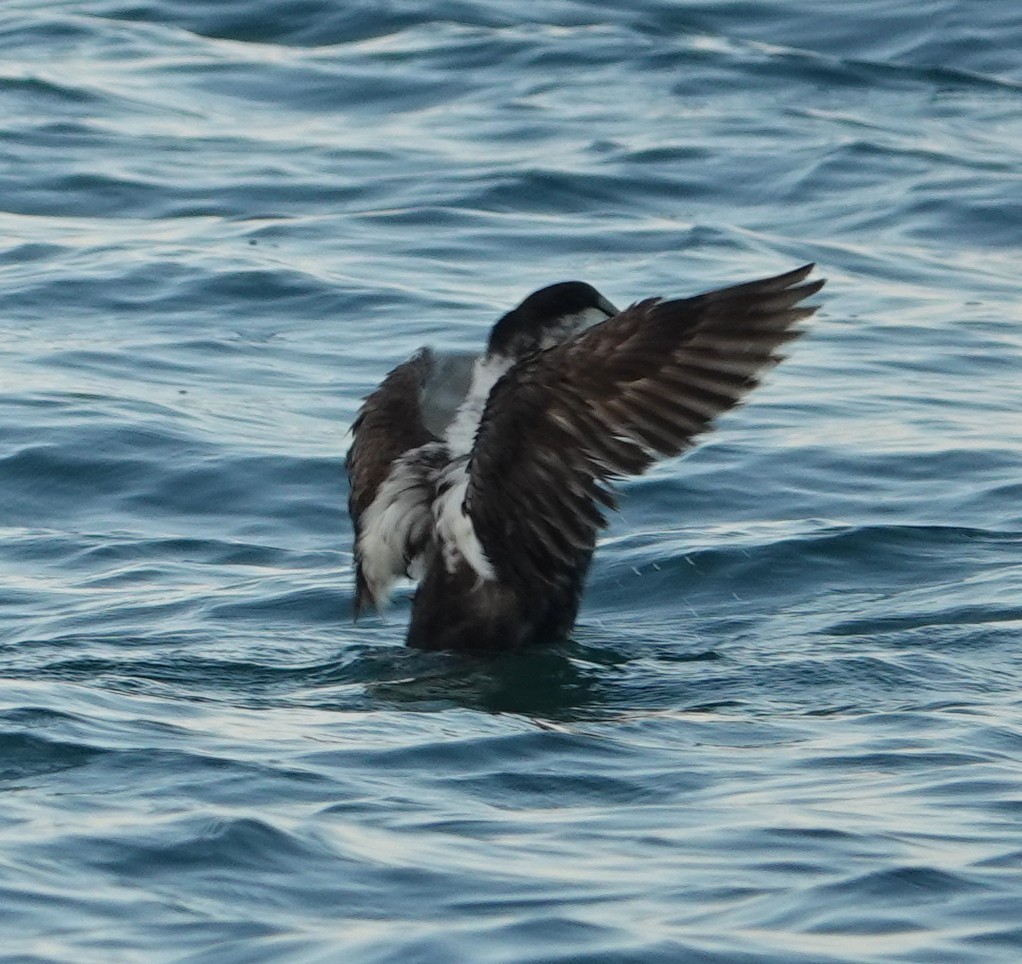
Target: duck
<point x="487" y="478"/>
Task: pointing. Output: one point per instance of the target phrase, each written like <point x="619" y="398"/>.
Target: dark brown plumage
<point x="505" y="563"/>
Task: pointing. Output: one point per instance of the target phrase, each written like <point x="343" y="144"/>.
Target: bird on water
<point x="486" y="478"/>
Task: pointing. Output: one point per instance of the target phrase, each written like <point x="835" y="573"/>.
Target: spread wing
<point x="564" y="423"/>
<point x="389" y="425"/>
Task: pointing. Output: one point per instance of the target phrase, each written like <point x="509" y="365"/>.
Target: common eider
<point x="485" y="478"/>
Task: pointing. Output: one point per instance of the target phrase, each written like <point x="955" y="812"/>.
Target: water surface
<point x="788" y="725"/>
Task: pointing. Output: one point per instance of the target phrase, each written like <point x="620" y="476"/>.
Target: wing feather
<point x="388" y="427"/>
<point x="388" y="424"/>
<point x="563" y="424"/>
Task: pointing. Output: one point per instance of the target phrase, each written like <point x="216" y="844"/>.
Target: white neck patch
<point x="461" y="434"/>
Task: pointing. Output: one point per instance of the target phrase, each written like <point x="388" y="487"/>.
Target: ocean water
<point x="788" y="726"/>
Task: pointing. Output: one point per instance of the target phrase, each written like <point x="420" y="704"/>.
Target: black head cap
<point x="548" y="317"/>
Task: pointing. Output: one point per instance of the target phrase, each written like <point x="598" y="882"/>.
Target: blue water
<point x="789" y="725"/>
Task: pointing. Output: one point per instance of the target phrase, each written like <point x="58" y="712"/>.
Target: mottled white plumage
<point x="397" y="521"/>
<point x="459" y="543"/>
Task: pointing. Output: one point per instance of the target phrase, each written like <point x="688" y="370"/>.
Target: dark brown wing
<point x="564" y="423"/>
<point x="389" y="424"/>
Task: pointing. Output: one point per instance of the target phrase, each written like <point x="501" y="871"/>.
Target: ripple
<point x="787" y="725"/>
<point x="27" y="756"/>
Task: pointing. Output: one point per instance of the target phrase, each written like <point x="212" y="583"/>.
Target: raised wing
<point x="388" y="427"/>
<point x="564" y="423"/>
<point x="389" y="423"/>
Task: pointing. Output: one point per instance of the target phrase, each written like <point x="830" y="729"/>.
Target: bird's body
<point x="485" y="478"/>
